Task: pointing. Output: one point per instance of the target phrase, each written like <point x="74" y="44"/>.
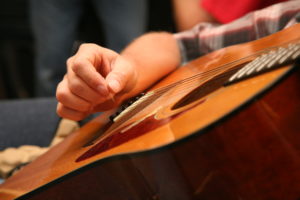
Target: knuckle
<point x="60" y="111"/>
<point x="63" y="112"/>
<point x="88" y="45"/>
<point x="61" y="95"/>
<point x="69" y="61"/>
<point x="76" y="87"/>
<point x="78" y="64"/>
<point x="84" y="45"/>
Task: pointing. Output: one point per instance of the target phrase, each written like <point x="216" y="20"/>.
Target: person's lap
<point x="27" y="122"/>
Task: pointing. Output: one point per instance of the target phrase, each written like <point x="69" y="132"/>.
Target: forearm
<point x="153" y="55"/>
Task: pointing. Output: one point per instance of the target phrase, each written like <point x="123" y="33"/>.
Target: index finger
<point x="85" y="64"/>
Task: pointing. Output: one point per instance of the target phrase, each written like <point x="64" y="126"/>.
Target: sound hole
<point x="204" y="89"/>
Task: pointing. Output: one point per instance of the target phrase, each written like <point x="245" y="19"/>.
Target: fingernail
<point x="102" y="90"/>
<point x="114" y="85"/>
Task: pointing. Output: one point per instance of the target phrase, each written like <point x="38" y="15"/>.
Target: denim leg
<point x="122" y="20"/>
<point x="54" y="24"/>
<point x="27" y="122"/>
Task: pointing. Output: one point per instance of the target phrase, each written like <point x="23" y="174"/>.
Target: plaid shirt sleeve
<point x="206" y="37"/>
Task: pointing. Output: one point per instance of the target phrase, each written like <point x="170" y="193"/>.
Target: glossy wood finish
<point x="238" y="142"/>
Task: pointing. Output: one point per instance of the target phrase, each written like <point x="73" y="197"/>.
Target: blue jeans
<point x="27" y="122"/>
<point x="54" y="24"/>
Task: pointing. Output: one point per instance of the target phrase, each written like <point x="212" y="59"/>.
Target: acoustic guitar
<point x="225" y="126"/>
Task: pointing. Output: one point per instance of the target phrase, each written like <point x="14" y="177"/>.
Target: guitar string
<point x="187" y="82"/>
<point x="209" y="74"/>
<point x="187" y="85"/>
<point x="200" y="77"/>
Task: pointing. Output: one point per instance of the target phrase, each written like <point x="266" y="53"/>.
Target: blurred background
<point x="17" y="51"/>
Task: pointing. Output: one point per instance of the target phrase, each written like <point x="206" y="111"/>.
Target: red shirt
<point x="226" y="11"/>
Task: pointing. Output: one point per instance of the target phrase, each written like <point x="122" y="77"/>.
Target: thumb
<point x="122" y="76"/>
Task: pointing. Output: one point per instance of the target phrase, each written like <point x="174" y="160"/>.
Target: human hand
<point x="96" y="80"/>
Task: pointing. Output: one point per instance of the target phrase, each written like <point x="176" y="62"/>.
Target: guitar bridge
<point x="125" y="106"/>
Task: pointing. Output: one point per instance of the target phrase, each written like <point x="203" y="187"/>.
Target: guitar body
<point x="189" y="139"/>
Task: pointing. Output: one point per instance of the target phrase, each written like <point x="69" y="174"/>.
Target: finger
<point x="92" y="63"/>
<point x="100" y="57"/>
<point x="78" y="87"/>
<point x="70" y="100"/>
<point x="69" y="113"/>
<point x="88" y="73"/>
<point x="121" y="77"/>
